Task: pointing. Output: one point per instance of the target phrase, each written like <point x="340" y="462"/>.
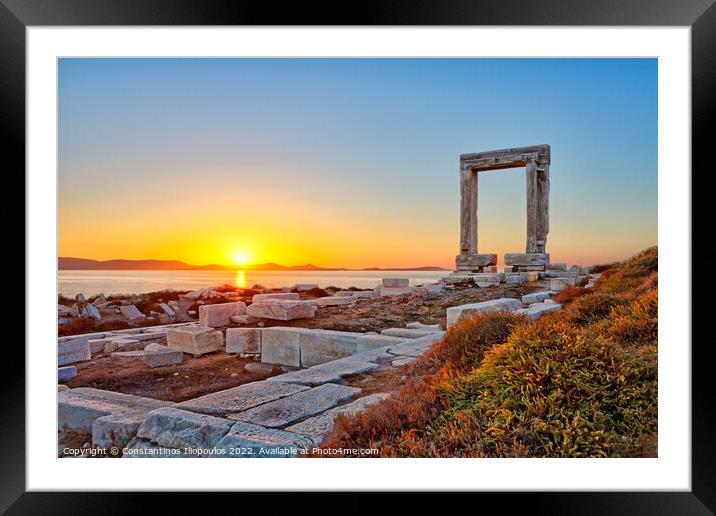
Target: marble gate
<point x="536" y="160"/>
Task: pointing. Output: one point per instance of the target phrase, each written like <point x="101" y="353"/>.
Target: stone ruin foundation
<point x="536" y="160"/>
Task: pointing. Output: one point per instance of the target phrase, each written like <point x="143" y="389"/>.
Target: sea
<point x="90" y="283"/>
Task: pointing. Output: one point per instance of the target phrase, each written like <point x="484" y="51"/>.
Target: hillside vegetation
<point x="581" y="382"/>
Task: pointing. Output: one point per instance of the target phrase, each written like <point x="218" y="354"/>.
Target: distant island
<point x="85" y="264"/>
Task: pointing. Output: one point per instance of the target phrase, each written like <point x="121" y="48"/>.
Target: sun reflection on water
<point x="241" y="279"/>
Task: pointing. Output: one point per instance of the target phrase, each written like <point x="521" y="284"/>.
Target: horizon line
<point x="244" y="266"/>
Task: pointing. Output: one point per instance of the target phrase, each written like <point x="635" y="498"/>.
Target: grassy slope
<point x="581" y="382"/>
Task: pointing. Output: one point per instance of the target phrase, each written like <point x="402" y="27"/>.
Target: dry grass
<point x="64" y="300"/>
<point x="581" y="382"/>
<point x="568" y="295"/>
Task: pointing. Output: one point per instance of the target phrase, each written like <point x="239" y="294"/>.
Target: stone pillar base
<point x="473" y="262"/>
<point x="525" y="262"/>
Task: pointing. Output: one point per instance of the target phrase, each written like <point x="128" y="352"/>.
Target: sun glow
<point x="241" y="258"/>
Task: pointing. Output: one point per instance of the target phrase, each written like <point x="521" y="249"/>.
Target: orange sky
<point x="349" y="162"/>
<point x="211" y="224"/>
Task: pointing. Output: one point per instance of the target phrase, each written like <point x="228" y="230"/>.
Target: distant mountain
<point x="84" y="264"/>
<point x="415" y="269"/>
<point x="65" y="263"/>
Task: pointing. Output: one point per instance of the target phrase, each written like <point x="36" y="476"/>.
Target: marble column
<point x="537" y="177"/>
<point x="466" y="211"/>
<point x="473" y="212"/>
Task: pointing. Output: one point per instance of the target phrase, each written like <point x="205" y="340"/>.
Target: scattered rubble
<point x="195" y="340"/>
<point x="296" y="407"/>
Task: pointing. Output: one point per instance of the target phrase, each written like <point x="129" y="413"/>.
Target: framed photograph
<point x="429" y="237"/>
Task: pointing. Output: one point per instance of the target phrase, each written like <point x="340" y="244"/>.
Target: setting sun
<point x="241" y="258"/>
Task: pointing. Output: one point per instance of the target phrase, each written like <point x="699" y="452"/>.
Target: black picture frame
<point x="700" y="15"/>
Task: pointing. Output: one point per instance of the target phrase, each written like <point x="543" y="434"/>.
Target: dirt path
<point x="193" y="377"/>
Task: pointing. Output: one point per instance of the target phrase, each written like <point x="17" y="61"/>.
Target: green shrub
<point x="581" y="382"/>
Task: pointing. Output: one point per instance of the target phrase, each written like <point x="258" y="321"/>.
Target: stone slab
<point x="258" y="298"/>
<point x="175" y="428"/>
<point x="153" y="346"/>
<point x="362" y="294"/>
<point x="377" y="355"/>
<point x="243" y="397"/>
<point x="368" y="342"/>
<point x="96" y="345"/>
<point x="561" y="274"/>
<point x="259" y="368"/>
<point x="243" y="340"/>
<point x="409" y="333"/>
<point x="122" y="344"/>
<point x="526" y="259"/>
<point x="131" y="312"/>
<point x="536" y="297"/>
<point x="129" y="354"/>
<point x="167" y="309"/>
<point x="434" y="288"/>
<point x="195" y="340"/>
<point x="82" y="338"/>
<point x="485" y="279"/>
<point x="245" y="319"/>
<point x="71" y="352"/>
<point x="282" y="310"/>
<point x="286" y="411"/>
<point x="416" y="347"/>
<point x="318" y="427"/>
<point x="93" y="311"/>
<point x="455" y="312"/>
<point x="420" y="326"/>
<point x="281" y="345"/>
<point x="196" y="294"/>
<point x="393" y="291"/>
<point x="473" y="261"/>
<point x="557" y="284"/>
<point x="537" y="310"/>
<point x="253" y="441"/>
<point x="116" y="429"/>
<point x="558" y="266"/>
<point x="515" y="279"/>
<point x="163" y="358"/>
<point x="329" y="372"/>
<point x="219" y="314"/>
<point x="66" y="373"/>
<point x="149" y="335"/>
<point x="458" y="277"/>
<point x="78" y="408"/>
<point x="320" y="346"/>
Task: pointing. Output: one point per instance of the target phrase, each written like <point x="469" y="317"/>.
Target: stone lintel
<point x="526" y="259"/>
<point x="506" y="158"/>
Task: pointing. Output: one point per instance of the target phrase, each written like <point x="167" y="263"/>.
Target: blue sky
<point x="367" y="147"/>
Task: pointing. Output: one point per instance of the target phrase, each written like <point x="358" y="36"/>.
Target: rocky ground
<point x="214" y="372"/>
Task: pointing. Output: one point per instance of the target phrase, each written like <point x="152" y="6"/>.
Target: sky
<point x="349" y="162"/>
